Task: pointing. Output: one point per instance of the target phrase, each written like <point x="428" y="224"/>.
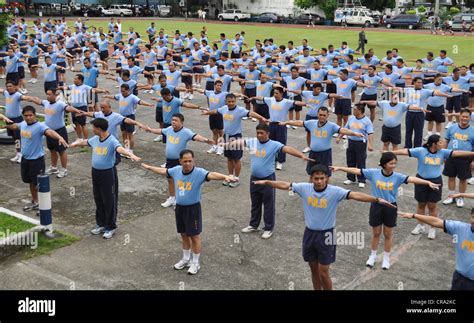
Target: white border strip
<point x="20" y="216"/>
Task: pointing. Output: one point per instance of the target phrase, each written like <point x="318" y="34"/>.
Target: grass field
<point x="410" y="45"/>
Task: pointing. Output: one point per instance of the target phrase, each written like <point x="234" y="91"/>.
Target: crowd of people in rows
<point x="275" y="82"/>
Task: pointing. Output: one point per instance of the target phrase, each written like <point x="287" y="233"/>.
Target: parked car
<point x="361" y="18"/>
<point x="268" y="17"/>
<point x="304" y="19"/>
<point x="233" y="14"/>
<point x="116" y="10"/>
<point x="404" y="21"/>
<point x="458" y="19"/>
<point x="163" y="10"/>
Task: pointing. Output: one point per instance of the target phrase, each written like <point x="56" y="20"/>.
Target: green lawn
<point x="45" y="245"/>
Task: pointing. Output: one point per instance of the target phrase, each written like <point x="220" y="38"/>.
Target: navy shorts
<point x="165" y="125"/>
<point x="189" y="219"/>
<point x="149" y="69"/>
<point x="320" y="157"/>
<point x="436" y="114"/>
<point x="308" y="117"/>
<point x="464" y="99"/>
<point x="32" y="61"/>
<point x="250" y="93"/>
<point x="104" y="55"/>
<point x="129" y="128"/>
<point x="159" y="113"/>
<point x="317" y="248"/>
<point x="461" y="282"/>
<point x="331" y="88"/>
<point x="216" y="122"/>
<point x="458" y="167"/>
<point x="369" y="97"/>
<point x="343" y="107"/>
<point x="453" y="103"/>
<point x="188" y="80"/>
<point x="15" y="134"/>
<point x="262" y="109"/>
<point x="62" y="64"/>
<point x="380" y="214"/>
<point x="232" y="152"/>
<point x="209" y="86"/>
<point x="82" y="119"/>
<point x="297" y="107"/>
<point x="425" y="194"/>
<point x="31" y="168"/>
<point x="170" y="163"/>
<point x="53" y="144"/>
<point x="21" y="72"/>
<point x="13" y="77"/>
<point x="392" y="134"/>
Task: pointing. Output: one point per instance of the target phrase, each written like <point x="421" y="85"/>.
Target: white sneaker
<point x="151" y="91"/>
<point x="183" y="263"/>
<point x="97" y="230"/>
<point x="335" y="135"/>
<point x="267" y="234"/>
<point x="220" y="151"/>
<point x="194" y="268"/>
<point x="420" y="228"/>
<point x="51" y="170"/>
<point x="18" y="161"/>
<point x="249" y="229"/>
<point x="190" y="97"/>
<point x="449" y="200"/>
<point x="169" y="202"/>
<point x="348" y="182"/>
<point x="470" y="181"/>
<point x="145" y="91"/>
<point x="306" y="150"/>
<point x="212" y="150"/>
<point x="29" y="81"/>
<point x="225" y="183"/>
<point x="294" y="127"/>
<point x="279" y="166"/>
<point x="245" y="118"/>
<point x="185" y="95"/>
<point x="254" y="120"/>
<point x="288" y="126"/>
<point x="158" y="138"/>
<point x="460" y="202"/>
<point x="14" y="159"/>
<point x="371" y="261"/>
<point x="163" y="165"/>
<point x="432" y="233"/>
<point x="361" y="185"/>
<point x="386" y="263"/>
<point x="449" y="124"/>
<point x="235" y="183"/>
<point x="34" y="81"/>
<point x="62" y="173"/>
<point x="108" y="234"/>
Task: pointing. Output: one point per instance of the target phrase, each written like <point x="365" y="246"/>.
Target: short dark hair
<point x="125" y="86"/>
<point x="263" y="126"/>
<point x="100" y="123"/>
<point x="317" y="84"/>
<point x="80" y="77"/>
<point x="165" y="91"/>
<point x="465" y="110"/>
<point x="28" y="108"/>
<point x="360" y="107"/>
<point x="185" y="152"/>
<point x="319" y="168"/>
<point x="386" y="157"/>
<point x="230" y="96"/>
<point x="179" y="116"/>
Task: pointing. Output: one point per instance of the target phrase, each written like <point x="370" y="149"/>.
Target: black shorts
<point x="129" y="128"/>
<point x="424" y="193"/>
<point x="165" y="125"/>
<point x="170" y="163"/>
<point x="380" y="214"/>
<point x="15" y="134"/>
<point x="459" y="167"/>
<point x="308" y="117"/>
<point x="13" y="77"/>
<point x="453" y="103"/>
<point x="472" y="92"/>
<point x="21" y="72"/>
<point x="232" y="152"/>
<point x="461" y="282"/>
<point x="343" y="107"/>
<point x="73" y="52"/>
<point x="82" y="119"/>
<point x="262" y="109"/>
<point x="189" y="219"/>
<point x="62" y="64"/>
<point x="159" y="113"/>
<point x="317" y="248"/>
<point x="216" y="122"/>
<point x="188" y="80"/>
<point x="32" y="61"/>
<point x="428" y="81"/>
<point x="464" y="99"/>
<point x="50" y="86"/>
<point x="198" y="69"/>
<point x="369" y="97"/>
<point x="320" y="157"/>
<point x="392" y="134"/>
<point x="234" y="55"/>
<point x="436" y="114"/>
<point x="2" y="62"/>
<point x="31" y="168"/>
<point x="297" y="107"/>
<point x="104" y="55"/>
<point x="250" y="93"/>
<point x="53" y="144"/>
<point x="305" y="75"/>
<point x="209" y="86"/>
<point x="149" y="69"/>
<point x="331" y="88"/>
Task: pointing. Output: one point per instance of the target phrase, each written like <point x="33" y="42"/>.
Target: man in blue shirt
<point x="188" y="180"/>
<point x="50" y="73"/>
<point x="32" y="162"/>
<point x="435" y="105"/>
<point x="456" y="82"/>
<point x="104" y="150"/>
<point x="320" y="202"/>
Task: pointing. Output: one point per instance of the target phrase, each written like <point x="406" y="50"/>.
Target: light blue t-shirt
<point x="188" y="186"/>
<point x="317" y="75"/>
<point x="392" y="115"/>
<point x="263" y="156"/>
<point x="429" y="164"/>
<point x="114" y="119"/>
<point x="215" y="100"/>
<point x="251" y="76"/>
<point x="225" y="79"/>
<point x="373" y="83"/>
<point x="278" y="109"/>
<point x="233" y="119"/>
<point x="294" y="84"/>
<point x="344" y="88"/>
<point x="321" y="135"/>
<point x="128" y="104"/>
<point x="464" y="240"/>
<point x="54" y="114"/>
<point x="103" y="152"/>
<point x="362" y="125"/>
<point x="263" y="89"/>
<point x="459" y="138"/>
<point x="314" y="101"/>
<point x="12" y="104"/>
<point x="456" y="84"/>
<point x="32" y="139"/>
<point x="443" y="68"/>
<point x="79" y="95"/>
<point x="383" y="186"/>
<point x="437" y="101"/>
<point x="90" y="76"/>
<point x="170" y="108"/>
<point x="50" y="74"/>
<point x="176" y="141"/>
<point x="417" y="97"/>
<point x="320" y="207"/>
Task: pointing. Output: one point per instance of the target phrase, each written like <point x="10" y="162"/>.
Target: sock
<point x="386" y="255"/>
<point x="450" y="192"/>
<point x="196" y="258"/>
<point x="186" y="254"/>
<point x="373" y="253"/>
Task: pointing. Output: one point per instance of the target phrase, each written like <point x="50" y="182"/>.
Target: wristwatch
<point x="377" y="200"/>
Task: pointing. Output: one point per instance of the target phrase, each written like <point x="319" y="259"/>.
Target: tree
<point x="4" y="19"/>
<point x="327" y="6"/>
<point x="379" y="4"/>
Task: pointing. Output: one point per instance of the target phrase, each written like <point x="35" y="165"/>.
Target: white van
<point x="360" y="17"/>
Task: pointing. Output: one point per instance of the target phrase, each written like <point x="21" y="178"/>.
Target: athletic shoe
<point x="386" y="263"/>
<point x="3" y="76"/>
<point x="267" y="234"/>
<point x="97" y="230"/>
<point x="432" y="233"/>
<point x="420" y="228"/>
<point x="254" y="120"/>
<point x="294" y="127"/>
<point x="31" y="206"/>
<point x="62" y="173"/>
<point x="288" y="126"/>
<point x="249" y="229"/>
<point x="15" y="159"/>
<point x="183" y="263"/>
<point x="460" y="202"/>
<point x="169" y="202"/>
<point x="361" y="185"/>
<point x="158" y="138"/>
<point x="306" y="150"/>
<point x="108" y="234"/>
<point x="225" y="183"/>
<point x="212" y="150"/>
<point x="163" y="165"/>
<point x="236" y="183"/>
<point x="470" y="181"/>
<point x="18" y="161"/>
<point x="279" y="166"/>
<point x="29" y="81"/>
<point x="335" y="135"/>
<point x="190" y="97"/>
<point x="220" y="151"/>
<point x="371" y="261"/>
<point x="245" y="118"/>
<point x="51" y="170"/>
<point x="348" y="182"/>
<point x="151" y="91"/>
<point x="194" y="268"/>
<point x="449" y="200"/>
<point x="449" y="124"/>
<point x="145" y="91"/>
<point x="34" y="81"/>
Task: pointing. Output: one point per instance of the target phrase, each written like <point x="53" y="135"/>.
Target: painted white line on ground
<point x="20" y="216"/>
